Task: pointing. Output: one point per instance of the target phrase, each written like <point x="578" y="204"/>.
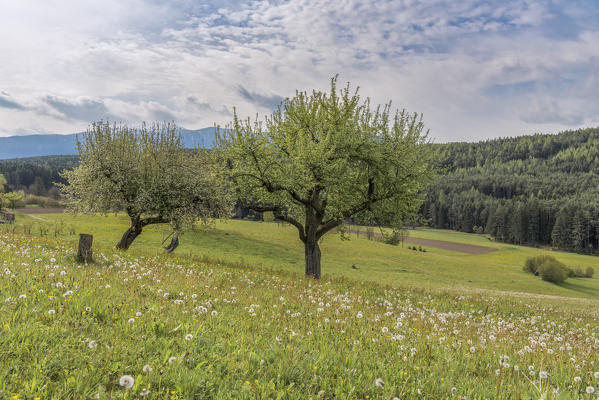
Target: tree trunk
<point x="84" y="253"/>
<point x="129" y="236"/>
<point x="312" y="259"/>
<point x="173" y="245"/>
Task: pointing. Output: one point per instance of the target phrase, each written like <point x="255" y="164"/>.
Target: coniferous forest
<point x="540" y="190"/>
<point x="534" y="190"/>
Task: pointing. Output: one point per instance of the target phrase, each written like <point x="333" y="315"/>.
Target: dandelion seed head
<point x="126" y="381"/>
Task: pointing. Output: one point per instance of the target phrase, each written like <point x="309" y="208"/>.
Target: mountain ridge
<point x="55" y="144"/>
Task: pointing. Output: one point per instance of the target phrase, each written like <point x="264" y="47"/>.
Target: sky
<point x="474" y="69"/>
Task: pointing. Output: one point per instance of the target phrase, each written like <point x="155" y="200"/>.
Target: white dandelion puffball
<point x="144" y="392"/>
<point x="596" y="375"/>
<point x="543" y="375"/>
<point x="172" y="360"/>
<point x="147" y="369"/>
<point x="577" y="379"/>
<point x="188" y="337"/>
<point x="92" y="344"/>
<point x="126" y="381"/>
<point x="590" y="389"/>
<point x="131" y="320"/>
<point x="51" y="312"/>
<point x="379" y="382"/>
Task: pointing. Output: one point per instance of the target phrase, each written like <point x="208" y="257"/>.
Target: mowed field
<point x="277" y="247"/>
<point x="230" y="315"/>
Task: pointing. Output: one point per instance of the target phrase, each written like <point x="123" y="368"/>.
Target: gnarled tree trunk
<point x="136" y="228"/>
<point x="129" y="236"/>
<point x="173" y="244"/>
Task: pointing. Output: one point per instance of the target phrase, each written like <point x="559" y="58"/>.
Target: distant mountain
<point x="50" y="145"/>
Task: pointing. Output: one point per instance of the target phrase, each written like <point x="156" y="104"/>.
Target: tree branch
<point x="277" y="212"/>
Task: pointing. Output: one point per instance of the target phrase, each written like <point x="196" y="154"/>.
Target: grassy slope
<point x="277" y="247"/>
<point x="256" y="334"/>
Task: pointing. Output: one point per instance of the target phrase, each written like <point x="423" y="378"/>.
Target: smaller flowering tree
<point x="146" y="173"/>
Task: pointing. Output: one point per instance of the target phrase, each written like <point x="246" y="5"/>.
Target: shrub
<point x="589" y="272"/>
<point x="393" y="238"/>
<point x="532" y="263"/>
<point x="553" y="271"/>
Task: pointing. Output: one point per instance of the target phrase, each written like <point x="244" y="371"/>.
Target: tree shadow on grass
<point x="575" y="286"/>
<point x="235" y="246"/>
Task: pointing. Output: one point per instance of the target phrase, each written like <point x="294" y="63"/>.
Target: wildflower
<point x="516" y="368"/>
<point x="379" y="382"/>
<point x="543" y="375"/>
<point x="138" y="314"/>
<point x="596" y="375"/>
<point x="51" y="312"/>
<point x="188" y="337"/>
<point x="144" y="392"/>
<point x="88" y="309"/>
<point x="172" y="360"/>
<point x="472" y="349"/>
<point x="147" y="369"/>
<point x="67" y="293"/>
<point x="214" y="312"/>
<point x="590" y="390"/>
<point x="131" y="320"/>
<point x="92" y="344"/>
<point x="126" y="381"/>
<point x="359" y="315"/>
<point x="577" y="379"/>
<point x="22" y="296"/>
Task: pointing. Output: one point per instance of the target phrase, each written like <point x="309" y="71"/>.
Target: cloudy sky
<point x="475" y="69"/>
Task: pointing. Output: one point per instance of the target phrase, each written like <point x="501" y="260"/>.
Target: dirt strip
<point x="440" y="244"/>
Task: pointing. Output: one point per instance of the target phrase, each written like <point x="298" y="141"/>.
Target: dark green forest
<point x="36" y="175"/>
<point x="534" y="190"/>
<point x="540" y="190"/>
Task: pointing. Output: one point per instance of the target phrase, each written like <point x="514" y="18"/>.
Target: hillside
<point x="47" y="145"/>
<point x="144" y="325"/>
<point x="536" y="190"/>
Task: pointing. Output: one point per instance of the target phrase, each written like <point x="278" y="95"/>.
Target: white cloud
<point x="475" y="69"/>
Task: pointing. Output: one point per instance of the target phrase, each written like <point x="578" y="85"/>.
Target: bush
<point x="393" y="238"/>
<point x="553" y="271"/>
<point x="532" y="263"/>
<point x="589" y="272"/>
<point x="549" y="268"/>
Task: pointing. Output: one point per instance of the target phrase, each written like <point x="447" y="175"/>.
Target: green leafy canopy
<point x="323" y="157"/>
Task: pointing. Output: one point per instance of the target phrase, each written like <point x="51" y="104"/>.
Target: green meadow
<point x="277" y="247"/>
<point x="230" y="315"/>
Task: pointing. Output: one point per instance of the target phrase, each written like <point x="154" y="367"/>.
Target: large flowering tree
<point x="323" y="157"/>
<point x="146" y="173"/>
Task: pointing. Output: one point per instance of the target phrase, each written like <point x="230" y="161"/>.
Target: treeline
<point x="534" y="190"/>
<point x="37" y="175"/>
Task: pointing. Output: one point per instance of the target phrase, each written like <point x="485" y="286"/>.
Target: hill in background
<point x="50" y="145"/>
<point x="534" y="190"/>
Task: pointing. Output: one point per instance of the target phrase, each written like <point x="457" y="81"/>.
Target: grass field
<point x="277" y="247"/>
<point x="230" y="316"/>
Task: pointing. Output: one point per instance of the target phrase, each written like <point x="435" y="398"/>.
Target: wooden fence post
<point x="85" y="247"/>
